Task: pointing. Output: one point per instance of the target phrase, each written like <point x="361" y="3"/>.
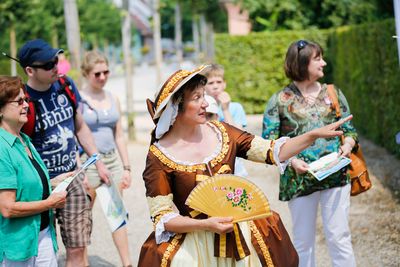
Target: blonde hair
<point x="215" y="70"/>
<point x="90" y="59"/>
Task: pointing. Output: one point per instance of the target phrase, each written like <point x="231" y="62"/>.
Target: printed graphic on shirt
<point x="56" y="142"/>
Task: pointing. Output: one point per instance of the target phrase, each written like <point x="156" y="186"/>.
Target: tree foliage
<point x="301" y="14"/>
<point x="100" y="21"/>
<point x="190" y="10"/>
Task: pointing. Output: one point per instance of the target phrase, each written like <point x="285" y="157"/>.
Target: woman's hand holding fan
<point x="219" y="225"/>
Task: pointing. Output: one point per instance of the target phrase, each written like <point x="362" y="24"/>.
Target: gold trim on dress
<point x="171" y="248"/>
<point x="239" y="246"/>
<point x="222" y="245"/>
<point x="261" y="243"/>
<point x="193" y="168"/>
<point x="201" y="178"/>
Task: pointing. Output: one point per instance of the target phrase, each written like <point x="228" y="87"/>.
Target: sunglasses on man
<point x="20" y="101"/>
<point x="46" y="66"/>
<point x="105" y="73"/>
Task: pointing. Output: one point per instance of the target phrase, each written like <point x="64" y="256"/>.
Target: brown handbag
<point x="358" y="171"/>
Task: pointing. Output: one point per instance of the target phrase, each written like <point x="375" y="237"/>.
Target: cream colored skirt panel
<point x="197" y="250"/>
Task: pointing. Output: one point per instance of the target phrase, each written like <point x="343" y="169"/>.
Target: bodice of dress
<point x="169" y="181"/>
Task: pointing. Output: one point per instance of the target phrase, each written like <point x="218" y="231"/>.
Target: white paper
<point x="64" y="184"/>
<point x="112" y="205"/>
<point x="327" y="165"/>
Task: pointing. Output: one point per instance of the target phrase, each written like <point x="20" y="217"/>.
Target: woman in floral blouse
<point x="301" y="106"/>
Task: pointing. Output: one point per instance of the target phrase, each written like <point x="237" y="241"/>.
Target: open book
<point x="327" y="165"/>
<point x="64" y="184"/>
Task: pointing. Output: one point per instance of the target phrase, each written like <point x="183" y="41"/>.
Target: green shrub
<point x="366" y="66"/>
<point x="254" y="63"/>
<point x="5" y="68"/>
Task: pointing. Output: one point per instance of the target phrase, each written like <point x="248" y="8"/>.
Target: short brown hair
<point x="215" y="70"/>
<point x="90" y="59"/>
<point x="10" y="87"/>
<point x="298" y="57"/>
<point x="195" y="82"/>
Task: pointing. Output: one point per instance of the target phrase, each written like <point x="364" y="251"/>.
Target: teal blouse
<point x="19" y="236"/>
<point x="288" y="114"/>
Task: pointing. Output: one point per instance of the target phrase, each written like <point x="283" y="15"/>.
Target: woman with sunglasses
<point x="102" y="113"/>
<point x="301" y="106"/>
<point x="27" y="236"/>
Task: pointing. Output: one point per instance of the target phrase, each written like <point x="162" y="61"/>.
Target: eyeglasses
<point x="301" y="44"/>
<point x="105" y="73"/>
<point x="46" y="66"/>
<point x="20" y="101"/>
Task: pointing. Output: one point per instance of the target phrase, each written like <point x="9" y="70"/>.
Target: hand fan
<point x="228" y="195"/>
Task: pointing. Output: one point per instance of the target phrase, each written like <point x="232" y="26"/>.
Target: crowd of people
<point x="48" y="128"/>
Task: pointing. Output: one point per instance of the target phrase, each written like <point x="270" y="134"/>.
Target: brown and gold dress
<point x="168" y="182"/>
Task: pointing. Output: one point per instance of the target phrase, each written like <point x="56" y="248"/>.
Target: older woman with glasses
<point x="27" y="235"/>
<point x="304" y="105"/>
<point x="102" y="113"/>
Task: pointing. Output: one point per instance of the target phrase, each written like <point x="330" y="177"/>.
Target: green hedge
<point x="366" y="66"/>
<point x="254" y="63"/>
<point x="362" y="60"/>
<point x="5" y="68"/>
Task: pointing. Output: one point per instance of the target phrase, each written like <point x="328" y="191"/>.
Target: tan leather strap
<point x="335" y="102"/>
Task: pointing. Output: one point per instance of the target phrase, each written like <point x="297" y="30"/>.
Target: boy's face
<point x="215" y="85"/>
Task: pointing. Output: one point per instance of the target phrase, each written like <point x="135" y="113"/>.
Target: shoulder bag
<point x="358" y="171"/>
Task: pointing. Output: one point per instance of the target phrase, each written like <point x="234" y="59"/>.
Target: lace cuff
<point x="277" y="148"/>
<point x="161" y="234"/>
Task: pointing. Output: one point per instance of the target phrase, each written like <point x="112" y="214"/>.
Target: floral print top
<point x="289" y="114"/>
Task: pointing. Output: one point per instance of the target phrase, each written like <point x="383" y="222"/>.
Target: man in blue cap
<point x="58" y="121"/>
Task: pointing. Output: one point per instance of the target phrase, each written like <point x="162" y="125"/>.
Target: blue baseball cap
<point x="36" y="50"/>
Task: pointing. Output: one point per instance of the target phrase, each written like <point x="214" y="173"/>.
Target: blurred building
<point x="238" y="19"/>
<point x="140" y="12"/>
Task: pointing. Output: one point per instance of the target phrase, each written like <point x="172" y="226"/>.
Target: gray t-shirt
<point x="102" y="123"/>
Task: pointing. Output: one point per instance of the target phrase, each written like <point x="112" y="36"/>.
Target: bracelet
<point x="127" y="167"/>
<point x="290" y="162"/>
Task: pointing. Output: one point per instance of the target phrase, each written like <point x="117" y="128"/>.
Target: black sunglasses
<point x="105" y="73"/>
<point x="20" y="101"/>
<point x="301" y="44"/>
<point x="46" y="66"/>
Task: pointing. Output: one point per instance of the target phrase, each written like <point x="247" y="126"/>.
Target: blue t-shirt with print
<point x="56" y="144"/>
<point x="237" y="113"/>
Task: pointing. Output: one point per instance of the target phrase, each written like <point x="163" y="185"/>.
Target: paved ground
<point x="375" y="216"/>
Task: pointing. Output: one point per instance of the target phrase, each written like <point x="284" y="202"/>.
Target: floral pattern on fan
<point x="227" y="195"/>
<point x="237" y="197"/>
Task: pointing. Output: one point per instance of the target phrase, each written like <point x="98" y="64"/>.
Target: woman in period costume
<point x="185" y="150"/>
